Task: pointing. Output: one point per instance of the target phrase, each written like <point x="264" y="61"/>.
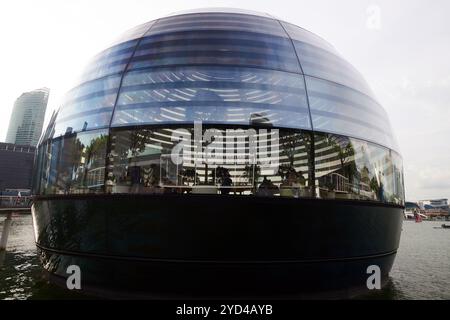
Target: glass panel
<point x="114" y="59"/>
<point x="50" y="166"/>
<point x="88" y="106"/>
<point x="50" y="130"/>
<point x="303" y="35"/>
<point x="134" y="33"/>
<point x="216" y="47"/>
<point x="221" y="10"/>
<point x="347" y="168"/>
<point x="93" y="119"/>
<point x="323" y="64"/>
<point x="338" y="109"/>
<point x="213" y="95"/>
<point x="76" y="164"/>
<point x="212" y="160"/>
<point x="92" y="89"/>
<point x="37" y="169"/>
<point x="218" y="21"/>
<point x="264" y="116"/>
<point x="108" y="62"/>
<point x="222" y="160"/>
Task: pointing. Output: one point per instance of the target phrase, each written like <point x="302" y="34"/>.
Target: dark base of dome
<point x="130" y="279"/>
<point x="173" y="246"/>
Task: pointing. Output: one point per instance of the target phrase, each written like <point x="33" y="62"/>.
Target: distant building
<point x="16" y="166"/>
<point x="434" y="207"/>
<point x="27" y="118"/>
<point x="434" y="204"/>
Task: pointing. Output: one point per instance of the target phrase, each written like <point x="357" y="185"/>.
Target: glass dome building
<point x="218" y="151"/>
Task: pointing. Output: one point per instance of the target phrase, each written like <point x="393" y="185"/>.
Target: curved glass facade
<point x="281" y="113"/>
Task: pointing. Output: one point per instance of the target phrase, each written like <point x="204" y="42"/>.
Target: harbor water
<point x="421" y="269"/>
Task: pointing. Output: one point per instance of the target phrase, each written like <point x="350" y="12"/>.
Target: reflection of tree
<point x="95" y="155"/>
<point x="347" y="159"/>
<point x="220" y="173"/>
<point x="136" y="145"/>
<point x="151" y="176"/>
<point x="138" y="140"/>
<point x="95" y="150"/>
<point x="75" y="150"/>
<point x="365" y="175"/>
<point x="376" y="185"/>
<point x="289" y="144"/>
<point x="252" y="170"/>
<point x="346" y="154"/>
<point x="130" y="144"/>
<point x="284" y="170"/>
<point x="76" y="158"/>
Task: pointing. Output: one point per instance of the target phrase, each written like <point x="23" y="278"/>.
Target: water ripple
<point x="421" y="269"/>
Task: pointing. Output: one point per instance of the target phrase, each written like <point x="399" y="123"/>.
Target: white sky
<point x="404" y="55"/>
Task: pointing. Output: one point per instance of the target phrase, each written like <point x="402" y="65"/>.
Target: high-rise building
<point x="27" y="118"/>
<point x="16" y="166"/>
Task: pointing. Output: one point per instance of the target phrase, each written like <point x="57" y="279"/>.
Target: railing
<point x="15" y="201"/>
<point x="10" y="205"/>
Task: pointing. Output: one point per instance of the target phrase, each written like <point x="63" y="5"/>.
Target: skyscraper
<point x="27" y="118"/>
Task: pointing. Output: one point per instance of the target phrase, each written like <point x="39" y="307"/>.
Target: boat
<point x="444" y="226"/>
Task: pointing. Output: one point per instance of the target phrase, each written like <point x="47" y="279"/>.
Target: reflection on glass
<point x="74" y="164"/>
<point x="218" y="21"/>
<point x="299" y="34"/>
<point x="215" y="95"/>
<point x="210" y="47"/>
<point x="348" y="168"/>
<point x="239" y="161"/>
<point x="133" y="33"/>
<point x="109" y="62"/>
<point x="323" y="64"/>
<point x="87" y="106"/>
<point x="339" y="109"/>
<point x="259" y="161"/>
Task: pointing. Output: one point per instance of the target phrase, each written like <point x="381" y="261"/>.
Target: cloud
<point x="429" y="180"/>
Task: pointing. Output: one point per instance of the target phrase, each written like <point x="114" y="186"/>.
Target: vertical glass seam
<point x="312" y="160"/>
<point x="126" y="69"/>
<point x="302" y="74"/>
<point x="108" y="142"/>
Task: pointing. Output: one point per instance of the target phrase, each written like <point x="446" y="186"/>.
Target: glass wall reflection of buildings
<point x="138" y="161"/>
<point x="227" y="70"/>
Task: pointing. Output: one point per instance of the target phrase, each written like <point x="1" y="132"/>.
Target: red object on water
<point x="418" y="217"/>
